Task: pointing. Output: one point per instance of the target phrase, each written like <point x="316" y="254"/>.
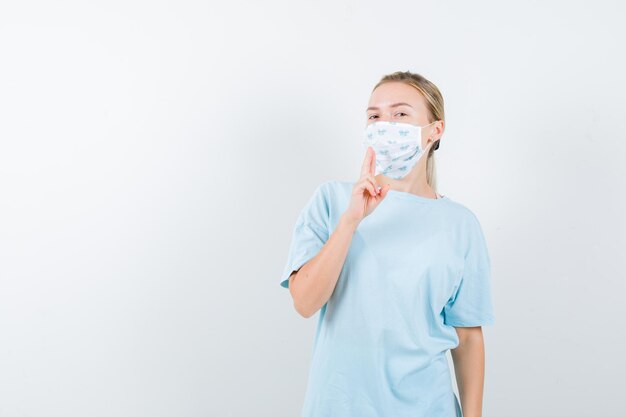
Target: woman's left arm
<point x="469" y="368"/>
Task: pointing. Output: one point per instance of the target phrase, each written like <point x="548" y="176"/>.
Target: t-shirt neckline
<point x="414" y="197"/>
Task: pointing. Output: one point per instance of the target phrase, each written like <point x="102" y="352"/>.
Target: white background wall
<point x="155" y="154"/>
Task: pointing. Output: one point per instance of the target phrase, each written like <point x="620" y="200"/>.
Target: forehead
<point x="394" y="92"/>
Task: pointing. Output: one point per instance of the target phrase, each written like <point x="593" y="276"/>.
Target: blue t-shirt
<point x="416" y="268"/>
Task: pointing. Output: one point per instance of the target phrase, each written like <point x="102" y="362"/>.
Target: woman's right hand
<point x="366" y="195"/>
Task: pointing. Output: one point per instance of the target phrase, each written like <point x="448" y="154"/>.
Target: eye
<point x="401" y="113"/>
<point x="373" y="115"/>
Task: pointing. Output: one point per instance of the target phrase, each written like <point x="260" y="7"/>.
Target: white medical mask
<point x="398" y="146"/>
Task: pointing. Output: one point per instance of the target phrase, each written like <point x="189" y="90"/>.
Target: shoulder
<point x="327" y="195"/>
<point x="462" y="215"/>
<point x="330" y="198"/>
<point x="469" y="231"/>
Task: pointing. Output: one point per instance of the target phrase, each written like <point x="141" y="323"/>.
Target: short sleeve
<point x="309" y="234"/>
<point x="471" y="304"/>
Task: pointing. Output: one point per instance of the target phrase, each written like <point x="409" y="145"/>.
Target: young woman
<point x="398" y="273"/>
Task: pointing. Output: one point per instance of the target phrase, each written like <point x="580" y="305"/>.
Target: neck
<point x="414" y="182"/>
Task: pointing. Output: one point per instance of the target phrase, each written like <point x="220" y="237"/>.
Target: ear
<point x="440" y="126"/>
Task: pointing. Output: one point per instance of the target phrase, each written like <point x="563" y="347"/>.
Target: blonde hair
<point x="434" y="105"/>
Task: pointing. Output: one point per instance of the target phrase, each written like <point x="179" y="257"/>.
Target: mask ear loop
<point x="435" y="145"/>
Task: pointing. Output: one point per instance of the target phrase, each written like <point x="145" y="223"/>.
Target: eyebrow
<point x="392" y="105"/>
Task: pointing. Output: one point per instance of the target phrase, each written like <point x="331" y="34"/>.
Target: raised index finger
<point x="369" y="165"/>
